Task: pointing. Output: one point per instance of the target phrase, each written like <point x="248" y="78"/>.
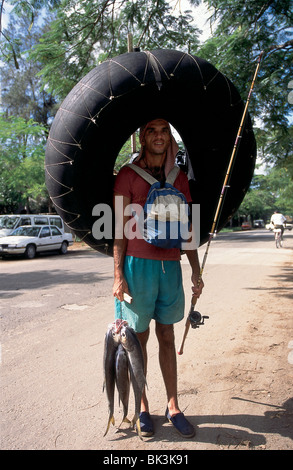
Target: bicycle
<point x="278" y="237"/>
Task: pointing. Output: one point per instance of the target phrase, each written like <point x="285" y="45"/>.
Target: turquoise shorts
<point x="157" y="293"/>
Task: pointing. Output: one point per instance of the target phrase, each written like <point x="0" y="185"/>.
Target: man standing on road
<point x="278" y="220"/>
<point x="152" y="275"/>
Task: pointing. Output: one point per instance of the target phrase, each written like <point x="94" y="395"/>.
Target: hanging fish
<point x="122" y="380"/>
<point x="112" y="340"/>
<point x="134" y="352"/>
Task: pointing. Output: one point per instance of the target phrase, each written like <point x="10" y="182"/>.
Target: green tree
<point x="126" y="153"/>
<point x="243" y="29"/>
<point x="257" y="204"/>
<point x="267" y="193"/>
<point x="280" y="184"/>
<point x="85" y="33"/>
<point x="21" y="91"/>
<point x="275" y="147"/>
<point x="75" y="35"/>
<point x="27" y="110"/>
<point x="22" y="150"/>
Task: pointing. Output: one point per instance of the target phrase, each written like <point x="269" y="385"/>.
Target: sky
<point x="201" y="15"/>
<point x="5" y="14"/>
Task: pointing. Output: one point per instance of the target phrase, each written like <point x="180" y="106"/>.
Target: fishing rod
<point x="194" y="318"/>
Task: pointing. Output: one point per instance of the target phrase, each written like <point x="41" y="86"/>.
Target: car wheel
<point x="63" y="249"/>
<point x="30" y="252"/>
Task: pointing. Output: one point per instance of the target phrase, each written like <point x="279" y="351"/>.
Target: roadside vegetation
<point x="47" y="46"/>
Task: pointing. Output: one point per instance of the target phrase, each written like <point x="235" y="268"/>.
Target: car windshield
<point x="7" y="222"/>
<point x="26" y="232"/>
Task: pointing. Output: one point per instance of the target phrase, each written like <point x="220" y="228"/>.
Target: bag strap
<point x="150" y="179"/>
<point x="173" y="175"/>
<point x="146" y="176"/>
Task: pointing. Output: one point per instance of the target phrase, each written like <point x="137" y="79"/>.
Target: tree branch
<point x="13" y="51"/>
<point x="1" y="11"/>
<point x="148" y="23"/>
<point x="276" y="47"/>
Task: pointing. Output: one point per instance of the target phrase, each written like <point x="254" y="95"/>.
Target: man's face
<point x="157" y="137"/>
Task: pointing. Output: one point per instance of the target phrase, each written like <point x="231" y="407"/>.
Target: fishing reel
<point x="196" y="319"/>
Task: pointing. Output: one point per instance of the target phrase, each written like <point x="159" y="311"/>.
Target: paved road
<point x="52" y="281"/>
<point x="54" y="313"/>
<point x="35" y="289"/>
<point x="38" y="288"/>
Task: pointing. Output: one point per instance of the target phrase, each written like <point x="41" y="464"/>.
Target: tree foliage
<point x="22" y="92"/>
<point x="49" y="45"/>
<point x="85" y="33"/>
<point x="21" y="163"/>
<point x="245" y="29"/>
<point x="267" y="193"/>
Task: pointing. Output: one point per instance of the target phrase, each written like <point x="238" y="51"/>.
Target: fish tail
<point x="138" y="428"/>
<point x="124" y="420"/>
<point x="111" y="420"/>
<point x="136" y="421"/>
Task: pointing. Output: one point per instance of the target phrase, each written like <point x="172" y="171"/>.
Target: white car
<point x="10" y="222"/>
<point x="32" y="239"/>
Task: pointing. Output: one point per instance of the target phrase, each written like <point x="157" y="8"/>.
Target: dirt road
<point x="235" y="376"/>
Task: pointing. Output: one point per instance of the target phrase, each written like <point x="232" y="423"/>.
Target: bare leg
<point x="143" y="338"/>
<point x="168" y="363"/>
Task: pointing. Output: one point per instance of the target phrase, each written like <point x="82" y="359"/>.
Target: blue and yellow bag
<point x="164" y="221"/>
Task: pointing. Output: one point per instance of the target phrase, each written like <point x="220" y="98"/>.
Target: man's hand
<point x="196" y="288"/>
<point x="119" y="288"/>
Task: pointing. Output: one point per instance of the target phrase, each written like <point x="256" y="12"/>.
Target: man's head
<point x="169" y="146"/>
<point x="155" y="136"/>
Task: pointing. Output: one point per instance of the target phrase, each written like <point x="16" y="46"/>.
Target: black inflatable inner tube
<point x="106" y="107"/>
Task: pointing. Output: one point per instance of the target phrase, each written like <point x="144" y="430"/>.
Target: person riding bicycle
<point x="278" y="220"/>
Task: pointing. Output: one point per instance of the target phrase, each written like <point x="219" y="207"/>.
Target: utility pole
<point x="130" y="49"/>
